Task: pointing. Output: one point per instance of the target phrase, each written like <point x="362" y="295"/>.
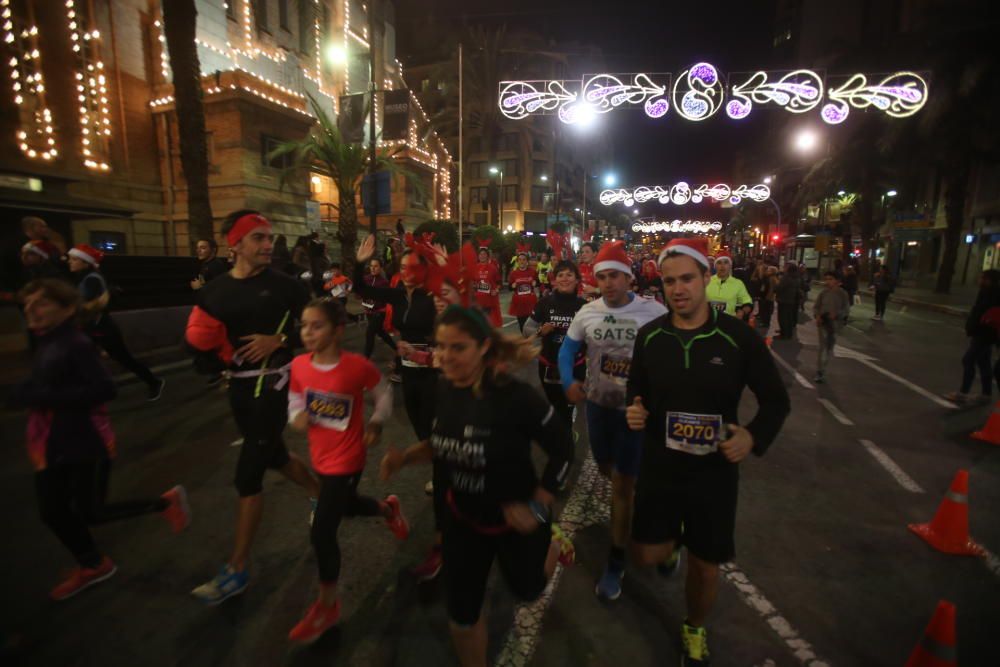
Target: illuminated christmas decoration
<point x="35" y="133"/>
<point x="699" y="92"/>
<point x="91" y="88"/>
<point x="681" y="193"/>
<point x="797" y="91"/>
<point x="704" y="93"/>
<point x="899" y="95"/>
<point x="677" y="227"/>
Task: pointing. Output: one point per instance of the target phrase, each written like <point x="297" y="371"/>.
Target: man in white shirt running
<point x="608" y="327"/>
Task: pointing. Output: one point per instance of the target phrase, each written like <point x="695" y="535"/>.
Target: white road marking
<point x="886" y="462"/>
<point x="508" y="323"/>
<point x="788" y="367"/>
<point x="835" y="411"/>
<point x="991" y="560"/>
<point x="906" y="383"/>
<point x="799" y="647"/>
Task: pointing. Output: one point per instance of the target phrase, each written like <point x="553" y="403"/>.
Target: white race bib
<point x="694" y="434"/>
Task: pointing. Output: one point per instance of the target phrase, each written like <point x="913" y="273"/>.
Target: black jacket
<point x="987" y="298"/>
<point x="412" y="317"/>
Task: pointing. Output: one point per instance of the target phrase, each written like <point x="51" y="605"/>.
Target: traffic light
<point x="775" y="237"/>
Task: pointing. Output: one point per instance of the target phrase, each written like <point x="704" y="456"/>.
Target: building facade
<point x="89" y="136"/>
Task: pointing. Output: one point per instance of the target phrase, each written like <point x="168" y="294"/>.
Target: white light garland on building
<point x="681" y="193"/>
<point x="35" y="133"/>
<point x="700" y="91"/>
<point x="677" y="227"/>
<point x="91" y="88"/>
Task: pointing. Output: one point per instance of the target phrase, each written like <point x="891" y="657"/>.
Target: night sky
<point x="653" y="36"/>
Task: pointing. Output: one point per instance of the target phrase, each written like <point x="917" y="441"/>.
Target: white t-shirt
<point x="609" y="334"/>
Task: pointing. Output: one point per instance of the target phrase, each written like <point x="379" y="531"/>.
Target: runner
<point x="484" y="424"/>
<point x="246" y="318"/>
<point x="84" y="265"/>
<point x="210" y="266"/>
<point x="375" y="310"/>
<point x="325" y="400"/>
<point x="830" y="311"/>
<point x="608" y="327"/>
<point x="550" y="322"/>
<point x="543" y="266"/>
<point x="488" y="286"/>
<point x="69" y="437"/>
<point x="687" y="375"/>
<point x="726" y="293"/>
<point x="589" y="289"/>
<point x="522" y="284"/>
<point x="413" y="317"/>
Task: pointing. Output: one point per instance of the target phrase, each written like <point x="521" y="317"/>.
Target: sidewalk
<point x="956" y="304"/>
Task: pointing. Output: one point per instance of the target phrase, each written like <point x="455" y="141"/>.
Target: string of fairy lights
<point x="35" y="133"/>
<point x="91" y="88"/>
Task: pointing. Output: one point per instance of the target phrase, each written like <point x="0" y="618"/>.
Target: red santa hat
<point x="723" y="254"/>
<point x="612" y="256"/>
<point x="696" y="249"/>
<point x="86" y="253"/>
<point x="40" y="248"/>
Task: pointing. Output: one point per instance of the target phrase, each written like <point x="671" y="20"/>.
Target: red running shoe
<point x="397" y="523"/>
<point x="178" y="512"/>
<point x="431" y="567"/>
<point x="317" y="620"/>
<point x="83" y="577"/>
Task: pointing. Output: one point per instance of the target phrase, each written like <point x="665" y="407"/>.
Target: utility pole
<point x="372" y="166"/>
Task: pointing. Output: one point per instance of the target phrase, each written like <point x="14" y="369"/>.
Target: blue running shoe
<point x="225" y="585"/>
<point x="609" y="586"/>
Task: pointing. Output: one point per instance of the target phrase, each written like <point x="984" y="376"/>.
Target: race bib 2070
<point x="693" y="433"/>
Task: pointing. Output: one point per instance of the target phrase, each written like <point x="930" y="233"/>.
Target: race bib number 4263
<point x="329" y="410"/>
<point x="694" y="434"/>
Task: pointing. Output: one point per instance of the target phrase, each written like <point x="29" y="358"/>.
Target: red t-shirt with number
<point x="522" y="284"/>
<point x="334" y="400"/>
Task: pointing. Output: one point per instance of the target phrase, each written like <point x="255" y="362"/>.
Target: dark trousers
<point x="978" y="355"/>
<point x="521" y="321"/>
<point x="881" y="299"/>
<point x="418" y="398"/>
<point x="71" y="497"/>
<point x="338" y="498"/>
<point x="376" y="327"/>
<point x="557" y="397"/>
<point x="107" y="334"/>
<point x="788" y="317"/>
<point x="764" y="313"/>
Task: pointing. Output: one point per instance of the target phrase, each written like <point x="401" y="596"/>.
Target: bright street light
<point x="494" y="170"/>
<point x="577" y="210"/>
<point x="336" y="54"/>
<point x="544" y="178"/>
<point x="891" y="193"/>
<point x="806" y="140"/>
<point x="635" y="211"/>
<point x="610" y="180"/>
<point x="841" y="193"/>
<point x="767" y="180"/>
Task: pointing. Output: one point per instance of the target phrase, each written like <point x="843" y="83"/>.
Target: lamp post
<point x="494" y="171"/>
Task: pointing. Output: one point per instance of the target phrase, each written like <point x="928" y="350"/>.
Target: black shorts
<point x="261" y="421"/>
<point x="698" y="512"/>
<point x="468" y="557"/>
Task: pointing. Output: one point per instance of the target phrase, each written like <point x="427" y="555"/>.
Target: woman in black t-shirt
<point x="484" y="423"/>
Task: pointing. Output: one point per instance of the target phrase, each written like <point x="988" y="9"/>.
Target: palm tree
<point x="325" y="149"/>
<point x="179" y="23"/>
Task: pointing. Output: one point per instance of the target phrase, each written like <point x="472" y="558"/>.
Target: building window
<point x="478" y="195"/>
<point x="267" y="145"/>
<point x="425" y="85"/>
<point x="231" y="9"/>
<point x="536" y="145"/>
<point x="538" y="193"/>
<point x="478" y="170"/>
<point x="508" y="142"/>
<point x="283" y="13"/>
<point x="540" y="168"/>
<point x="510" y="167"/>
<point x="305" y="26"/>
<point x="260" y="13"/>
<point x="510" y="194"/>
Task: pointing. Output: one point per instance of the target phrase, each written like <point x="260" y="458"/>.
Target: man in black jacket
<point x="982" y="338"/>
<point x="688" y="372"/>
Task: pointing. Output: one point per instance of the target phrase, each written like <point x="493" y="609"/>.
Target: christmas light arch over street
<point x="700" y="92"/>
<point x="681" y="193"/>
<point x="677" y="226"/>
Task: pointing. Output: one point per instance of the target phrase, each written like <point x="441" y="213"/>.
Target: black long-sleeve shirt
<point x="702" y="372"/>
<point x="413" y="316"/>
<point x="483" y="444"/>
<point x="557" y="309"/>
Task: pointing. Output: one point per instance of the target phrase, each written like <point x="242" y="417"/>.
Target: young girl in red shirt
<point x="325" y="399"/>
<point x="522" y="285"/>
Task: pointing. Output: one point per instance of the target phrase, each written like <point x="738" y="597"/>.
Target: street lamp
<point x="494" y="171"/>
<point x="635" y="211"/>
<point x="891" y="193"/>
<point x="806" y="140"/>
<point x="767" y="180"/>
<point x="610" y="180"/>
<point x="543" y="178"/>
<point x="336" y="54"/>
<point x="841" y="193"/>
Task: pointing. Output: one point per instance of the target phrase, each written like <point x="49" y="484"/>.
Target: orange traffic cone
<point x="948" y="531"/>
<point x="990" y="432"/>
<point x="937" y="647"/>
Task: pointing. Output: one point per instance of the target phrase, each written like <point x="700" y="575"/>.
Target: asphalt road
<point x="826" y="570"/>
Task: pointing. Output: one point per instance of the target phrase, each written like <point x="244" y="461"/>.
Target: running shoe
<point x="695" y="643"/>
<point x="156" y="390"/>
<point x="668" y="567"/>
<point x="317" y="620"/>
<point x="178" y="511"/>
<point x="609" y="586"/>
<point x="81" y="578"/>
<point x="431" y="567"/>
<point x="567" y="552"/>
<point x="397" y="523"/>
<point x="227" y="583"/>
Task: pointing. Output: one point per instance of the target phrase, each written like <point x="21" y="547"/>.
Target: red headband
<point x="244" y="226"/>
